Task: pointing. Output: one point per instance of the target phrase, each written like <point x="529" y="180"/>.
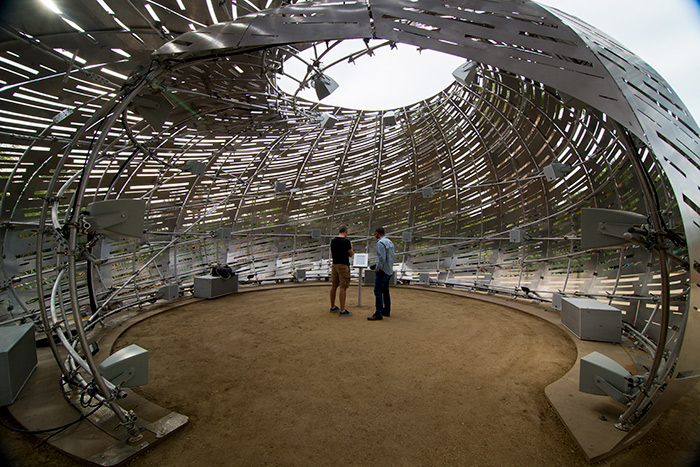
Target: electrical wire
<point x="89" y="389"/>
<point x="48" y="430"/>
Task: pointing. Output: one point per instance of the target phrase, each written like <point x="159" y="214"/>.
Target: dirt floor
<point x="272" y="378"/>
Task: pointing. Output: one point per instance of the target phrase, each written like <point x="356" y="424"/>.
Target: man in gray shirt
<point x="383" y="270"/>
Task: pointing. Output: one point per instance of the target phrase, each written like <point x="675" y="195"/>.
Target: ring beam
<point x="203" y="134"/>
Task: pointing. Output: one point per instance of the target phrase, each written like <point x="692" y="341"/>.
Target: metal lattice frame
<point x="549" y="89"/>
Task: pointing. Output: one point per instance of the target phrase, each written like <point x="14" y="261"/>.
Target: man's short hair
<point x="342" y="228"/>
<point x="380" y="230"/>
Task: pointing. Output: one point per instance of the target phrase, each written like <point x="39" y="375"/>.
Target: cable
<point x="47" y="430"/>
<point x="90" y="390"/>
<point x="46" y="440"/>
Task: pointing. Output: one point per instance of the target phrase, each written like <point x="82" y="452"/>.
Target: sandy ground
<point x="272" y="378"/>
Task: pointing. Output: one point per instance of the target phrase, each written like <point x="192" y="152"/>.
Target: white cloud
<point x="389" y="79"/>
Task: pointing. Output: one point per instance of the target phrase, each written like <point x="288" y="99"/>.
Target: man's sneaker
<point x="335" y="309"/>
<point x="375" y="317"/>
<point x="345" y="313"/>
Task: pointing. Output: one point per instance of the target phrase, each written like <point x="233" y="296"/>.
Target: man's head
<point x="343" y="229"/>
<point x="379" y="232"/>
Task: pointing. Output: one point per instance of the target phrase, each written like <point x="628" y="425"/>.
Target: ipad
<point x="360" y="260"/>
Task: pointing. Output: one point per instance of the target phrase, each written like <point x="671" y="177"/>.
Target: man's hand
<point x="373" y="266"/>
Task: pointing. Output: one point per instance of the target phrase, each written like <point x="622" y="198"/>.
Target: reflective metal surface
<point x="201" y="132"/>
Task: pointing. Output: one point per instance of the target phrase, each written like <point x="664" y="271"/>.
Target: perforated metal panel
<point x="201" y="132"/>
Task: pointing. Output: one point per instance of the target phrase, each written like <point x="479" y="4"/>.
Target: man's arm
<point x="350" y="252"/>
<point x="381" y="255"/>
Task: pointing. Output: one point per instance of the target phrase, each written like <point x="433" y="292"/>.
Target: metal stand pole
<point x="359" y="287"/>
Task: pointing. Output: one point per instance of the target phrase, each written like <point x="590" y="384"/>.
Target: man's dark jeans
<point x="381" y="292"/>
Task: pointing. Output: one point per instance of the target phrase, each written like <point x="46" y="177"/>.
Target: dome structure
<point x="121" y="181"/>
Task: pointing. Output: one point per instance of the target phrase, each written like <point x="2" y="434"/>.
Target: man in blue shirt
<point x="383" y="270"/>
